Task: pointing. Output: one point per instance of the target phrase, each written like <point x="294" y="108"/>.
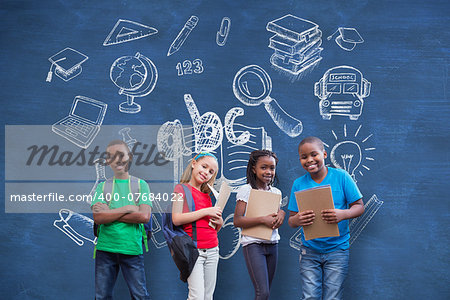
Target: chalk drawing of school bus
<point x="341" y="91"/>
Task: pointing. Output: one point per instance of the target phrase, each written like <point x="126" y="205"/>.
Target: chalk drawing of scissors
<point x="252" y="86"/>
<point x="222" y="34"/>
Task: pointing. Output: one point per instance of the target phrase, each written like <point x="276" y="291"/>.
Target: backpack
<point x="134" y="189"/>
<point x="182" y="247"/>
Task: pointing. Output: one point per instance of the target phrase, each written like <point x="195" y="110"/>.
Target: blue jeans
<point x="261" y="260"/>
<point x="322" y="275"/>
<point x="107" y="266"/>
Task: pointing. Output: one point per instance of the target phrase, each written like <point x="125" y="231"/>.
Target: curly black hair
<point x="254" y="156"/>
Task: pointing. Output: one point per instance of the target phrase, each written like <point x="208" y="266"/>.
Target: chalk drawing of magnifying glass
<point x="252" y="86"/>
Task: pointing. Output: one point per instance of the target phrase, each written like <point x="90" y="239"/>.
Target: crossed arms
<point x="127" y="214"/>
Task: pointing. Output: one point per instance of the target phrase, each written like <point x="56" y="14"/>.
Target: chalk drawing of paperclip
<point x="357" y="225"/>
<point x="224" y="31"/>
<point x="258" y="77"/>
<point x="82" y="224"/>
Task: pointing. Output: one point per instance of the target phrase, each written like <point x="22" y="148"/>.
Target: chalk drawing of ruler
<point x="357" y="225"/>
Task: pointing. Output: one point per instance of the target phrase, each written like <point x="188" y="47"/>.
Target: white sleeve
<point x="276" y="190"/>
<point x="243" y="193"/>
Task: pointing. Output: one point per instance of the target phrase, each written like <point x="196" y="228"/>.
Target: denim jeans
<point x="322" y="275"/>
<point x="202" y="280"/>
<point x="107" y="266"/>
<point x="261" y="260"/>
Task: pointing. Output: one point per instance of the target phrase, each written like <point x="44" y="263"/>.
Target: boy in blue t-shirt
<point x="324" y="261"/>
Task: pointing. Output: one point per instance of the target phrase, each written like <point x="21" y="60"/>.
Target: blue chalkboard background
<point x="403" y="251"/>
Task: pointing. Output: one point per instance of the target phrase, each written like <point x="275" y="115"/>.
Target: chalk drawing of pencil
<point x="182" y="36"/>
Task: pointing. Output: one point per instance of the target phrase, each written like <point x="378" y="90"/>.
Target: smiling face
<point x="264" y="171"/>
<point x="118" y="159"/>
<point x="312" y="158"/>
<point x="203" y="170"/>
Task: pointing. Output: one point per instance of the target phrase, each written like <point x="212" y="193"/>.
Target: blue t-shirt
<point x="345" y="191"/>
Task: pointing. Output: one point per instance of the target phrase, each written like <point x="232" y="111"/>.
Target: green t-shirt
<point x="120" y="237"/>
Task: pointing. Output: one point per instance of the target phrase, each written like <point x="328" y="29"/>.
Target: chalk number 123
<point x="186" y="67"/>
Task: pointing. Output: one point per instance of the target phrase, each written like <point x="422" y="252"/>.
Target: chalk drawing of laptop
<point x="83" y="123"/>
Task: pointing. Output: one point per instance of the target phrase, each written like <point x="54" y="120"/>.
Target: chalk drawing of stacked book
<point x="296" y="44"/>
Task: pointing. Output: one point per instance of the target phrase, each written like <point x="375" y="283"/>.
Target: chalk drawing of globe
<point x="128" y="73"/>
<point x="135" y="76"/>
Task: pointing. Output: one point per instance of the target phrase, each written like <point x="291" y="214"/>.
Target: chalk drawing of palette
<point x="126" y="31"/>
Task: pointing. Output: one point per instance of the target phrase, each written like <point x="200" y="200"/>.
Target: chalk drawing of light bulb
<point x="351" y="163"/>
<point x="346" y="155"/>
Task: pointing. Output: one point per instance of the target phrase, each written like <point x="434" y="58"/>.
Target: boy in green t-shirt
<point x="119" y="243"/>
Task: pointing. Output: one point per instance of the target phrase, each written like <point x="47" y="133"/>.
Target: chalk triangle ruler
<point x="126" y="31"/>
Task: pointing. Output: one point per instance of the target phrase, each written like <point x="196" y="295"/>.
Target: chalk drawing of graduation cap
<point x="347" y="38"/>
<point x="67" y="64"/>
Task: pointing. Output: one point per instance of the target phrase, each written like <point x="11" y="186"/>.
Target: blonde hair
<point x="187" y="174"/>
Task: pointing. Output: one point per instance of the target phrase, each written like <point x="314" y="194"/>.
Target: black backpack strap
<point x="191" y="206"/>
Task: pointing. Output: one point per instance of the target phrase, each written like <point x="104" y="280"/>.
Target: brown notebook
<point x="261" y="203"/>
<point x="221" y="197"/>
<point x="317" y="199"/>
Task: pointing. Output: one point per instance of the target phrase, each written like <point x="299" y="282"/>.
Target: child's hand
<point x="213" y="212"/>
<point x="269" y="220"/>
<point x="332" y="216"/>
<point x="217" y="221"/>
<point x="278" y="221"/>
<point x="98" y="207"/>
<point x="305" y="218"/>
